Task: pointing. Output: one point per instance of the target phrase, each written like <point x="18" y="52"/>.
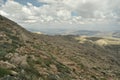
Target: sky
<point x="63" y="14"/>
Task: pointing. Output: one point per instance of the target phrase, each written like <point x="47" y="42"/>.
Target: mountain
<point x="30" y="56"/>
<point x="116" y="34"/>
<point x="83" y="32"/>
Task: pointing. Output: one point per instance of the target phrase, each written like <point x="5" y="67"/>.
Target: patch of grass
<point x="44" y="62"/>
<point x="4" y="72"/>
<point x="103" y="79"/>
<point x="81" y="65"/>
<point x="31" y="69"/>
<point x="62" y="68"/>
<point x="2" y="53"/>
<point x="94" y="77"/>
<point x="5" y="30"/>
<point x="52" y="77"/>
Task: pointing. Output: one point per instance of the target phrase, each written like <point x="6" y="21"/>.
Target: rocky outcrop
<point x="7" y="65"/>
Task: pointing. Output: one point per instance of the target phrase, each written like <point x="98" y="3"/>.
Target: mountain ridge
<point x="30" y="56"/>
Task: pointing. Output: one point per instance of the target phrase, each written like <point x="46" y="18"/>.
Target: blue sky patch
<point x="74" y="13"/>
<point x="33" y="2"/>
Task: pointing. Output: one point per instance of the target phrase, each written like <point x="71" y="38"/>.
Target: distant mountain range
<point x="31" y="56"/>
<point x="115" y="34"/>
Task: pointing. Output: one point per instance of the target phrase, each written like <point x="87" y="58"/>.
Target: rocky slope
<point x="29" y="56"/>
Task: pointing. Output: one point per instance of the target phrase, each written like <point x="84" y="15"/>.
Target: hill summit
<point x="30" y="56"/>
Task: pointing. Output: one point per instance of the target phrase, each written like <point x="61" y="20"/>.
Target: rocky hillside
<point x="29" y="56"/>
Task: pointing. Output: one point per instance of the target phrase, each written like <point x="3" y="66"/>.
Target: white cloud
<point x="65" y="14"/>
<point x="26" y="10"/>
<point x="30" y="21"/>
<point x="84" y="8"/>
<point x="1" y="2"/>
<point x="3" y="13"/>
<point x="49" y="1"/>
<point x="62" y="11"/>
<point x="16" y="11"/>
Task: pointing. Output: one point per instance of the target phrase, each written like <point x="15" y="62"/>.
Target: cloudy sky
<point x="63" y="14"/>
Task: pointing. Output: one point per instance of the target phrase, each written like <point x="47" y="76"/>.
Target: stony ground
<point x="29" y="56"/>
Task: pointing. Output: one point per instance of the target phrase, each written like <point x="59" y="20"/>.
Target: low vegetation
<point x="30" y="56"/>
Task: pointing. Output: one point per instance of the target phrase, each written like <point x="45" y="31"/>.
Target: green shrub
<point x="51" y="77"/>
<point x="62" y="68"/>
<point x="103" y="79"/>
<point x="4" y="72"/>
<point x="2" y="52"/>
<point x="31" y="69"/>
<point x="94" y="77"/>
